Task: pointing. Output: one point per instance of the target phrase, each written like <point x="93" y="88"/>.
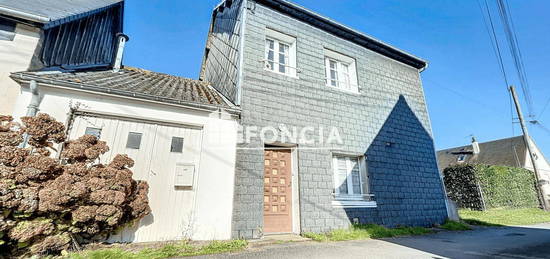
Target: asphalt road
<point x="526" y="242"/>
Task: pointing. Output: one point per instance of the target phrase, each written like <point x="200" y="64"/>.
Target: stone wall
<point x="387" y="121"/>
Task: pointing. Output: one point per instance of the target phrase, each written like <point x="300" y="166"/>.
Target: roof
<point x="343" y="31"/>
<point x="46" y="11"/>
<point x="505" y="152"/>
<point x="135" y="83"/>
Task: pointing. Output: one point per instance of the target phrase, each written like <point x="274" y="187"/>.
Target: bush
<point x="47" y="204"/>
<point x="481" y="187"/>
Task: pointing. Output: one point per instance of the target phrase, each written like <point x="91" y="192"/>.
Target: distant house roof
<point x="505" y="152"/>
<point x="48" y="11"/>
<point x="344" y="32"/>
<point x="135" y="83"/>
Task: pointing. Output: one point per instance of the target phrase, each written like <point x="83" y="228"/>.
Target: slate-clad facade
<point x="386" y="122"/>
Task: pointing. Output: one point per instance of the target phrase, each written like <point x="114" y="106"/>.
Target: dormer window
<point x="461" y="158"/>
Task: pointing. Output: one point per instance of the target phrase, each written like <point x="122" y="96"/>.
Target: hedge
<point x="481" y="187"/>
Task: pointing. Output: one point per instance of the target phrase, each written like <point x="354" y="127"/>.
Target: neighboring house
<point x="504" y="152"/>
<point x="60" y="34"/>
<point x="286" y="67"/>
<point x="181" y="132"/>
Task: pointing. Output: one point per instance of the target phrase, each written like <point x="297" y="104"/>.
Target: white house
<point x="181" y="133"/>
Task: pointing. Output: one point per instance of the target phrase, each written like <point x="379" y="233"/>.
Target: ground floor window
<point x="351" y="181"/>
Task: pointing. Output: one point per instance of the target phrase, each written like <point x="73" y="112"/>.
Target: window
<point x="340" y="71"/>
<point x="96" y="132"/>
<point x="177" y="145"/>
<point x="280" y="53"/>
<point x="7" y="29"/>
<point x="461" y="158"/>
<point x="350" y="177"/>
<point x="134" y="140"/>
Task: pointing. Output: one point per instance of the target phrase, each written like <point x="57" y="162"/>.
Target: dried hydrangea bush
<point x="48" y="205"/>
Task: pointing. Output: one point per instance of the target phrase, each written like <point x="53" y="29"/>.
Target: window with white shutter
<point x="351" y="182"/>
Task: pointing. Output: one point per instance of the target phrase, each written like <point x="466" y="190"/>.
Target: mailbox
<point x="185" y="175"/>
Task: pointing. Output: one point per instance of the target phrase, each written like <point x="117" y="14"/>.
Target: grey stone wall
<point x="387" y="121"/>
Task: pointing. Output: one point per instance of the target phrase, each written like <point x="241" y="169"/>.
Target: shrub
<point x="47" y="204"/>
<point x="481" y="187"/>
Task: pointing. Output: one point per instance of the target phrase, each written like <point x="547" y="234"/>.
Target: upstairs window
<point x="340" y="71"/>
<point x="350" y="178"/>
<point x="7" y="29"/>
<point x="280" y="53"/>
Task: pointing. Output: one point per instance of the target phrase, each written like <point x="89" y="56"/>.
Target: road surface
<point x="526" y="242"/>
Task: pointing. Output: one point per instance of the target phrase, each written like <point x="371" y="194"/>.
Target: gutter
<point x="21" y="78"/>
<point x="24" y="15"/>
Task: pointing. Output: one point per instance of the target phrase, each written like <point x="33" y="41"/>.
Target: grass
<point x="358" y="232"/>
<point x="455" y="226"/>
<point x="173" y="250"/>
<point x="505" y="217"/>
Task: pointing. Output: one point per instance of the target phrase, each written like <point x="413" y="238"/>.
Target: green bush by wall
<point x="481" y="187"/>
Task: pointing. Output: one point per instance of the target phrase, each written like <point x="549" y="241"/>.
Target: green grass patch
<point x="358" y="232"/>
<point x="167" y="251"/>
<point x="504" y="217"/>
<point x="455" y="226"/>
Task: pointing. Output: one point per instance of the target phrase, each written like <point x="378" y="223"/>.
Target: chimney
<point x="122" y="39"/>
<point x="475" y="146"/>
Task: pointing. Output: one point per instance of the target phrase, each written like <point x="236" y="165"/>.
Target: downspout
<point x="241" y="53"/>
<point x="32" y="109"/>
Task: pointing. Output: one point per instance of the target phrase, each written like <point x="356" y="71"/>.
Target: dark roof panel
<point x="133" y="82"/>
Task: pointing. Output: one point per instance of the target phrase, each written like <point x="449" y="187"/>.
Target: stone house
<point x="292" y="70"/>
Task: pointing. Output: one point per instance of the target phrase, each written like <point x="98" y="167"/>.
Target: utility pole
<point x="541" y="183"/>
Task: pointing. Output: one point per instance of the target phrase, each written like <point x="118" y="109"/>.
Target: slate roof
<point x="133" y="82"/>
<point x="506" y="152"/>
<point x="45" y="11"/>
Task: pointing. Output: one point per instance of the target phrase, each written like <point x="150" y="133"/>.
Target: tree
<point x="50" y="204"/>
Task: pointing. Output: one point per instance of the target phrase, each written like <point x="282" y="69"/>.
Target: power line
<point x="544" y="108"/>
<point x="515" y="51"/>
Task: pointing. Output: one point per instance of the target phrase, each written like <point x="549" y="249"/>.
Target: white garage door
<point x="161" y="152"/>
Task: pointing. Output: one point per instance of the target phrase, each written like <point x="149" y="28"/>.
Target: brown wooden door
<point x="277" y="192"/>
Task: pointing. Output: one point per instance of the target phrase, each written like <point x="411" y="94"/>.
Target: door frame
<point x="295" y="217"/>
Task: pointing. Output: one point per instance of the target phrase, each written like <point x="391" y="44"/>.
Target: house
<point x="34" y="34"/>
<point x="510" y="152"/>
<point x="181" y="132"/>
<point x="292" y="70"/>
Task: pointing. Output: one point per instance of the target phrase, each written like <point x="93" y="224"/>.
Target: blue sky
<point x="464" y="87"/>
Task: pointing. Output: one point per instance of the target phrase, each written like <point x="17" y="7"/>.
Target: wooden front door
<point x="277" y="191"/>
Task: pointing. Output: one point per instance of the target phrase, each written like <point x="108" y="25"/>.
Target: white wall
<point x="214" y="192"/>
<point x="15" y="56"/>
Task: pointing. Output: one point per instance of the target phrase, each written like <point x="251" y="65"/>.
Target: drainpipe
<point x="32" y="109"/>
<point x="122" y="39"/>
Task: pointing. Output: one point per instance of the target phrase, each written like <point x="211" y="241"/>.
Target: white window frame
<point x="279" y="39"/>
<point x="351" y="199"/>
<point x="461" y="158"/>
<point x="345" y="80"/>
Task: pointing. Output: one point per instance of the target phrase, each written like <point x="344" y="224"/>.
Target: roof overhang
<point x="22" y="78"/>
<point x="344" y="32"/>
